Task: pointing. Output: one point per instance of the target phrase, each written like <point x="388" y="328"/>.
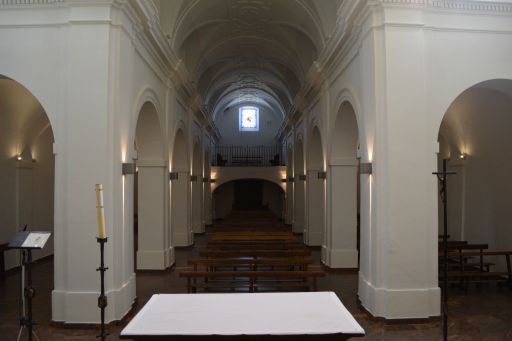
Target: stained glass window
<point x="249" y="119"/>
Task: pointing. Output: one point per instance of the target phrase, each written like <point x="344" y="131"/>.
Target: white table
<point x="297" y="316"/>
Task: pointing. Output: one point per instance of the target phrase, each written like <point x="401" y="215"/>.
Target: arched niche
<point x="248" y="194"/>
<point x="182" y="234"/>
<point x="315" y="190"/>
<point x="27" y="171"/>
<point x="207" y="200"/>
<point x="341" y="249"/>
<point x="197" y="189"/>
<point x="299" y="185"/>
<point x="474" y="138"/>
<point x="289" y="186"/>
<point x="150" y="193"/>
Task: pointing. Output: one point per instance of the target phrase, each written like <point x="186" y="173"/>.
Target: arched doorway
<point x="207" y="190"/>
<point x="197" y="190"/>
<point x="341" y="237"/>
<point x="289" y="187"/>
<point x="27" y="169"/>
<point x="299" y="207"/>
<point x="474" y="137"/>
<point x="315" y="190"/>
<point x="248" y="194"/>
<point x="182" y="234"/>
<point x="151" y="178"/>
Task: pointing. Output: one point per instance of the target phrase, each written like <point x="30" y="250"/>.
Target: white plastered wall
<point x="90" y="73"/>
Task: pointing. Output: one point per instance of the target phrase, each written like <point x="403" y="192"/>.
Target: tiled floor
<point x="481" y="313"/>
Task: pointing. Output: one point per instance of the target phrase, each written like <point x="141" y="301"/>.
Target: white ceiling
<point x="248" y="51"/>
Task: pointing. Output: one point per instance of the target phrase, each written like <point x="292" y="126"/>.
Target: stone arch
<point x="150" y="193"/>
<point x="343" y="229"/>
<point x="289" y="185"/>
<point x="315" y="186"/>
<point x="207" y="193"/>
<point x="197" y="188"/>
<point x="299" y="185"/>
<point x="224" y="196"/>
<point x="26" y="155"/>
<point x="474" y="137"/>
<point x="182" y="234"/>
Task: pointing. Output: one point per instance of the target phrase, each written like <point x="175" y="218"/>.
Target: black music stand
<point x="26" y="241"/>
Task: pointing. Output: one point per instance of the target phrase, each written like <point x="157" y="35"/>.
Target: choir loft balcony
<point x="248" y="156"/>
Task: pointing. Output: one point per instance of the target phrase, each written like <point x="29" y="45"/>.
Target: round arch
<point x="342" y="228"/>
<point x="474" y="138"/>
<point x="150" y="192"/>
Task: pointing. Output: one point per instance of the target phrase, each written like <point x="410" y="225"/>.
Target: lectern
<point x="26" y="241"/>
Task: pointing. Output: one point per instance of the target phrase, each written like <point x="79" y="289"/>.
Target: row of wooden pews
<point x="251" y="257"/>
<point x="474" y="263"/>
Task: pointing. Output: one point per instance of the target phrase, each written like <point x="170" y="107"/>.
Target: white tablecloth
<point x="243" y="314"/>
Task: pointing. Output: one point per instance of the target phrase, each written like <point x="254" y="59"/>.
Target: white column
<point x="399" y="279"/>
<point x="197" y="209"/>
<point x="289" y="201"/>
<point x="181" y="231"/>
<point x="341" y="248"/>
<point x="299" y="205"/>
<point x="207" y="192"/>
<point x="153" y="253"/>
<point x="314" y="232"/>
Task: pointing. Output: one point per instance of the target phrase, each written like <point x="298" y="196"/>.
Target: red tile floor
<point x="481" y="312"/>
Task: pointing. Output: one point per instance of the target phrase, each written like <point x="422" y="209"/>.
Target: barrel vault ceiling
<point x="248" y="51"/>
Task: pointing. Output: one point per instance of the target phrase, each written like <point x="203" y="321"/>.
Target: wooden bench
<point x="212" y="264"/>
<point x="477" y="273"/>
<point x="255" y="246"/>
<point x="253" y="253"/>
<point x="251" y="280"/>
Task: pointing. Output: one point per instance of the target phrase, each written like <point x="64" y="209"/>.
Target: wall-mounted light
<point x="129" y="168"/>
<point x="193" y="178"/>
<point x="463" y="156"/>
<point x="291" y="179"/>
<point x="212" y="181"/>
<point x="302" y="177"/>
<point x="322" y="175"/>
<point x="173" y="176"/>
<point x="206" y="179"/>
<point x="19" y="158"/>
<point x="365" y="168"/>
<point x="283" y="180"/>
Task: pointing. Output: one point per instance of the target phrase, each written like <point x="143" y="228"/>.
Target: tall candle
<point x="100" y="211"/>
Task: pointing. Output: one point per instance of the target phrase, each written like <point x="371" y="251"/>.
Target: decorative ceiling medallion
<point x="249" y="16"/>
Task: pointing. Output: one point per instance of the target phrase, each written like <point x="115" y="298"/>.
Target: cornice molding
<point x="458" y="5"/>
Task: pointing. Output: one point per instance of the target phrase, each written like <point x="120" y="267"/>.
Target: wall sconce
<point x="365" y="168"/>
<point x="173" y="176"/>
<point x="291" y="179"/>
<point x="129" y="168"/>
<point x="205" y="179"/>
<point x="19" y="158"/>
<point x="322" y="175"/>
<point x="212" y="181"/>
<point x="463" y="156"/>
<point x="302" y="177"/>
<point x="283" y="180"/>
<point x="193" y="178"/>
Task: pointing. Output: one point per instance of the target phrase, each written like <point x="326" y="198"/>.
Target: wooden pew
<point x="255" y="246"/>
<point x="477" y="274"/>
<point x="253" y="253"/>
<point x="254" y="264"/>
<point x="252" y="280"/>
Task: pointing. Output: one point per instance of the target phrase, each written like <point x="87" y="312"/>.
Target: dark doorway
<point x="248" y="194"/>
